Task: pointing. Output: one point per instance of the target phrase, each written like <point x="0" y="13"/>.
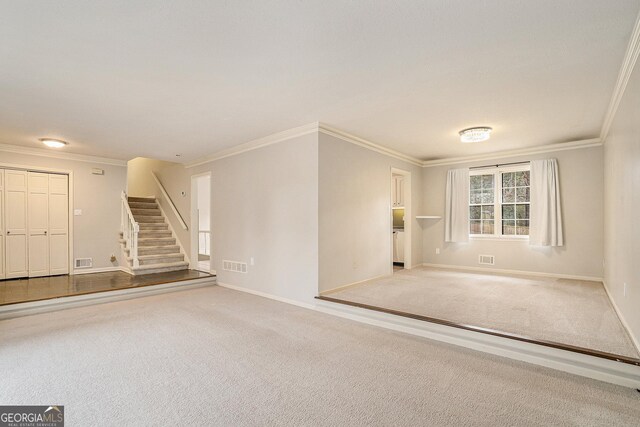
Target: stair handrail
<point x="130" y="229"/>
<point x="171" y="204"/>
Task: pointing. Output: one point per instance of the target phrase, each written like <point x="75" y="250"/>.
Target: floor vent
<point x="486" y="259"/>
<point x="83" y="262"/>
<point x="238" y="267"/>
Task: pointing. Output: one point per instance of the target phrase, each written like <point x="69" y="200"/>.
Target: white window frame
<point x="497" y="202"/>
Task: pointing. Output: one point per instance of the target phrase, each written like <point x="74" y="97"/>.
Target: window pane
<point x="475" y="227"/>
<point x="508" y="211"/>
<point x="476" y="197"/>
<point x="522" y="194"/>
<point x="522" y="228"/>
<point x="508" y="195"/>
<point x="476" y="182"/>
<point x="487" y="212"/>
<point x="522" y="179"/>
<point x="508" y="227"/>
<point x="522" y="211"/>
<point x="487" y="227"/>
<point x="487" y="196"/>
<point x="508" y="179"/>
<point x="487" y="181"/>
<point x="474" y="212"/>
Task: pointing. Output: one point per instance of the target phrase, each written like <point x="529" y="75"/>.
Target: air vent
<point x="235" y="266"/>
<point x="486" y="259"/>
<point x="83" y="262"/>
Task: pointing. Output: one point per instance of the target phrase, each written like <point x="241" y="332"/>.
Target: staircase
<point x="148" y="243"/>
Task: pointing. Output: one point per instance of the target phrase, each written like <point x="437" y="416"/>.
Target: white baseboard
<point x="517" y="272"/>
<point x="63" y="303"/>
<point x="98" y="270"/>
<point x="621" y="317"/>
<point x="567" y="361"/>
<point x="340" y="288"/>
<point x="266" y="295"/>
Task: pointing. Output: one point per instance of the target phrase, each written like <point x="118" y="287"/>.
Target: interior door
<point x="2" y="231"/>
<point x="58" y="224"/>
<point x="38" y="223"/>
<point x="15" y="217"/>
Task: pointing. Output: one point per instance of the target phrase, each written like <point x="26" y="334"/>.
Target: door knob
<point x="8" y="232"/>
<point x="45" y="233"/>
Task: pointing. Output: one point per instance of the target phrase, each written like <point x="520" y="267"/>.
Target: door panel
<point x="15" y="223"/>
<point x="58" y="224"/>
<point x="38" y="224"/>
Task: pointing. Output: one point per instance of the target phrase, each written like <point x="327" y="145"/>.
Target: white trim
<point x="327" y="130"/>
<point x="635" y="342"/>
<point x="629" y="62"/>
<point x="516" y="272"/>
<point x="408" y="252"/>
<point x="567" y="361"/>
<point x="7" y="148"/>
<point x="266" y="295"/>
<point x="257" y="143"/>
<point x="540" y="149"/>
<point x="340" y="288"/>
<point x="62" y="303"/>
<point x="77" y="271"/>
<point x="195" y="229"/>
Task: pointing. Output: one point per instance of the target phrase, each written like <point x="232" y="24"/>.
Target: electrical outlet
<point x="437" y="251"/>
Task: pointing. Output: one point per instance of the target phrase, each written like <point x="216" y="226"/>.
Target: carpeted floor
<point x="213" y="356"/>
<point x="571" y="312"/>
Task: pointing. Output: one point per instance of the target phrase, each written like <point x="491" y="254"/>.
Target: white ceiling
<point x="146" y="78"/>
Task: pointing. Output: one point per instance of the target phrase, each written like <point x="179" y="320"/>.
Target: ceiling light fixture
<point x="476" y="134"/>
<point x="53" y="143"/>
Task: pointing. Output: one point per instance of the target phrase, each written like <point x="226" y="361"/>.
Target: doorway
<point x="400" y="219"/>
<point x="201" y="222"/>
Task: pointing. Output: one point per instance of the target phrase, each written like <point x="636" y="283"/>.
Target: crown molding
<point x="7" y="148"/>
<point x="549" y="148"/>
<point x="327" y="130"/>
<point x="257" y="143"/>
<point x="628" y="64"/>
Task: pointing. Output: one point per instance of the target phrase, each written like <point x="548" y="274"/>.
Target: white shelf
<point x="428" y="217"/>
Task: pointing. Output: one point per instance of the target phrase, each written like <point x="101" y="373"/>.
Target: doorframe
<point x="195" y="221"/>
<point x="67" y="172"/>
<point x="407" y="217"/>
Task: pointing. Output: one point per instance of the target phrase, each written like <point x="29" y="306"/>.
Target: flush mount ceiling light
<point x="476" y="134"/>
<point x="53" y="143"/>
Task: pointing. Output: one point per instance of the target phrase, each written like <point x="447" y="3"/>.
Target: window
<point x="499" y="202"/>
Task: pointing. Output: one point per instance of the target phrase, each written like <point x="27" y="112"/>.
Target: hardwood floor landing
<point x="14" y="291"/>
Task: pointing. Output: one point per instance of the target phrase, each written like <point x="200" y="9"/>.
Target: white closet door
<point x="38" y="224"/>
<point x="2" y="231"/>
<point x="15" y="216"/>
<point x="58" y="224"/>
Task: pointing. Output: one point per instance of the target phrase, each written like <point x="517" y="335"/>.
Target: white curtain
<point x="545" y="216"/>
<point x="456" y="227"/>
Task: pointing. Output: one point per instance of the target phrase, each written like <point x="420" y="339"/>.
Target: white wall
<point x="140" y="182"/>
<point x="95" y="232"/>
<point x="581" y="187"/>
<point x="264" y="204"/>
<point x="354" y="212"/>
<point x="204" y="202"/>
<point x="622" y="206"/>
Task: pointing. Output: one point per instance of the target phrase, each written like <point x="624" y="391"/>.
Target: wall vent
<point x="235" y="266"/>
<point x="486" y="259"/>
<point x="83" y="262"/>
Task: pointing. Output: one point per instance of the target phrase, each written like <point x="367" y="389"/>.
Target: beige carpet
<point x="571" y="312"/>
<point x="214" y="356"/>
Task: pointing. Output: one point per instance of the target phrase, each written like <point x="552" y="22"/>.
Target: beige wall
<point x="354" y="212"/>
<point x="581" y="187"/>
<point x="622" y="206"/>
<point x="174" y="178"/>
<point x="95" y="232"/>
